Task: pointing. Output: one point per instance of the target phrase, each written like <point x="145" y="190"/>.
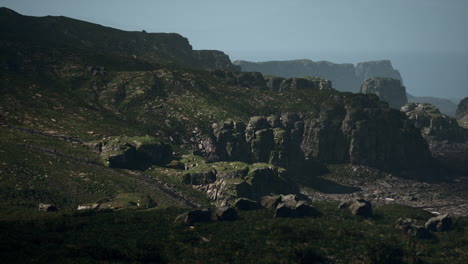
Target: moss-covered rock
<point x="433" y="124"/>
<point x="132" y="152"/>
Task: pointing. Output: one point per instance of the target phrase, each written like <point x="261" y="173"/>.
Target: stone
<point x="387" y="89"/>
<point x="194" y="216"/>
<point x="271" y="201"/>
<point x="283" y="210"/>
<point x="290" y="200"/>
<point x="94" y="206"/>
<point x="245" y="204"/>
<point x="303" y="209"/>
<point x="412" y="228"/>
<point x="439" y="223"/>
<point x="199" y="177"/>
<point x="225" y="213"/>
<point x="357" y="207"/>
<point x="47" y="207"/>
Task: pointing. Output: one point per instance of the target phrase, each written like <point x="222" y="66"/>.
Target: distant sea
<point x="436" y="74"/>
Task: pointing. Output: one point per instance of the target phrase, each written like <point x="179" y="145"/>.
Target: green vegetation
<point x="150" y="236"/>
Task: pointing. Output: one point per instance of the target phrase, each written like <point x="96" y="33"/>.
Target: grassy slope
<point x="151" y="236"/>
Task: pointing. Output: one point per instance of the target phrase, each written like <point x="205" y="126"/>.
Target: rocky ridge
<point x="345" y="77"/>
<point x="387" y="89"/>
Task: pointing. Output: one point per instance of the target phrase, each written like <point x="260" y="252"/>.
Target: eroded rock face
<point x="433" y="124"/>
<point x="387" y="89"/>
<point x="462" y="112"/>
<point x="255" y="80"/>
<point x="345" y="77"/>
<point x="357" y="129"/>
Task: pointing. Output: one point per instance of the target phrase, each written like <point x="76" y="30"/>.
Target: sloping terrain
<point x="97" y="116"/>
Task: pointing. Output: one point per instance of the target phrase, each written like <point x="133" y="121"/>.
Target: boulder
<point x="199" y="177"/>
<point x="47" y="207"/>
<point x="194" y="216"/>
<point x="387" y="89"/>
<point x="290" y="200"/>
<point x="304" y="209"/>
<point x="439" y="223"/>
<point x="412" y="228"/>
<point x="357" y="207"/>
<point x="245" y="204"/>
<point x="271" y="201"/>
<point x="94" y="206"/>
<point x="283" y="210"/>
<point x="225" y="213"/>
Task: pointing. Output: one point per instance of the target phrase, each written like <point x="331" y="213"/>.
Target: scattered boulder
<point x="299" y="209"/>
<point x="194" y="216"/>
<point x="357" y="207"/>
<point x="47" y="207"/>
<point x="245" y="204"/>
<point x="271" y="201"/>
<point x="225" y="214"/>
<point x="290" y="200"/>
<point x="412" y="228"/>
<point x="439" y="223"/>
<point x="283" y="210"/>
<point x="304" y="209"/>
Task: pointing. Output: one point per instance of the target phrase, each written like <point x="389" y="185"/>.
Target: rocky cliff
<point x="462" y="112"/>
<point x="445" y="106"/>
<point x="355" y="130"/>
<point x="34" y="43"/>
<point x="387" y="89"/>
<point x="345" y="77"/>
<point x="433" y="124"/>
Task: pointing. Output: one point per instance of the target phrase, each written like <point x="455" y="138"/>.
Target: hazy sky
<point x="421" y="37"/>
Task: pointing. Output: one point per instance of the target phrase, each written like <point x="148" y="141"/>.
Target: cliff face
<point x="445" y="106"/>
<point x="462" y="112"/>
<point x="25" y="39"/>
<point x="433" y="124"/>
<point x="345" y="77"/>
<point x="348" y="129"/>
<point x="387" y="89"/>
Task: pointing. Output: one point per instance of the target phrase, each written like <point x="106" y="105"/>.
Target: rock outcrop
<point x="446" y="106"/>
<point x="255" y="80"/>
<point x="132" y="153"/>
<point x="357" y="207"/>
<point x="439" y="223"/>
<point x="387" y="89"/>
<point x="345" y="77"/>
<point x="412" y="228"/>
<point x="357" y="129"/>
<point x="433" y="124"/>
<point x="47" y="207"/>
<point x="462" y="112"/>
<point x="194" y="216"/>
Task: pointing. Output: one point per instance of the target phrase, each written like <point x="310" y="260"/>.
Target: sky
<point x="427" y="40"/>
